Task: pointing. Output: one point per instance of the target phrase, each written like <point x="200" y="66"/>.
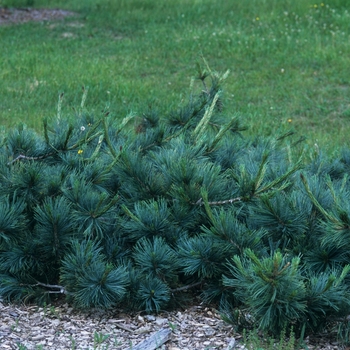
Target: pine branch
<point x="22" y="156"/>
<point x="108" y="140"/>
<point x="200" y="201"/>
<point x="201" y="126"/>
<point x="176" y="134"/>
<point x="285" y="135"/>
<point x="49" y="154"/>
<point x="83" y="98"/>
<point x="261" y="173"/>
<point x="221" y="133"/>
<point x="282" y="178"/>
<point x="130" y="214"/>
<point x="59" y="105"/>
<point x="68" y="136"/>
<point x="97" y="149"/>
<point x="124" y="122"/>
<point x="60" y="289"/>
<point x="84" y="140"/>
<point x="189" y="286"/>
<point x="315" y="201"/>
<point x="46" y="132"/>
<point x="258" y="180"/>
<point x="204" y="194"/>
<point x="99" y="212"/>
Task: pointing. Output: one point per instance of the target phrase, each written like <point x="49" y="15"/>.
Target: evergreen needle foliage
<point x="105" y="212"/>
<point x="272" y="287"/>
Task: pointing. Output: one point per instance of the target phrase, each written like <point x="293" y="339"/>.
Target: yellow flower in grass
<point x="289" y="120"/>
<point x="80" y="151"/>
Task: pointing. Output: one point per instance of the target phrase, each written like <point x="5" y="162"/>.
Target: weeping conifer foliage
<point x="141" y="211"/>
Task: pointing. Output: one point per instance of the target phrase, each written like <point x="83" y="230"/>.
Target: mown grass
<point x="289" y="61"/>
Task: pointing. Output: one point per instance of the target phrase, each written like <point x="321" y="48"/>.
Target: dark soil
<point x="10" y="16"/>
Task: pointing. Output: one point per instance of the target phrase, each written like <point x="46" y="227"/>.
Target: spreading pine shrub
<point x="104" y="212"/>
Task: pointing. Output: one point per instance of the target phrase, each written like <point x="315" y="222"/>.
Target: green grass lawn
<point x="289" y="61"/>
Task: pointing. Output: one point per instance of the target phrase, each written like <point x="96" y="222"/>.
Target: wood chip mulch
<point x="60" y="327"/>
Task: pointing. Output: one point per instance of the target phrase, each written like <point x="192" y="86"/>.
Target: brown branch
<point x="123" y="327"/>
<point x="61" y="289"/>
<point x="22" y="156"/>
<point x="180" y="289"/>
<point x="155" y="341"/>
<point x="227" y="201"/>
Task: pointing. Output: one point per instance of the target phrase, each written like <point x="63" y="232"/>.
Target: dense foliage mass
<point x="140" y="211"/>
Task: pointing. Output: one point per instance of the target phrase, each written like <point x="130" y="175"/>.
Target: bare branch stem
<point x="186" y="287"/>
<point x="227" y="201"/>
<point x="22" y="156"/>
<point x="60" y="289"/>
